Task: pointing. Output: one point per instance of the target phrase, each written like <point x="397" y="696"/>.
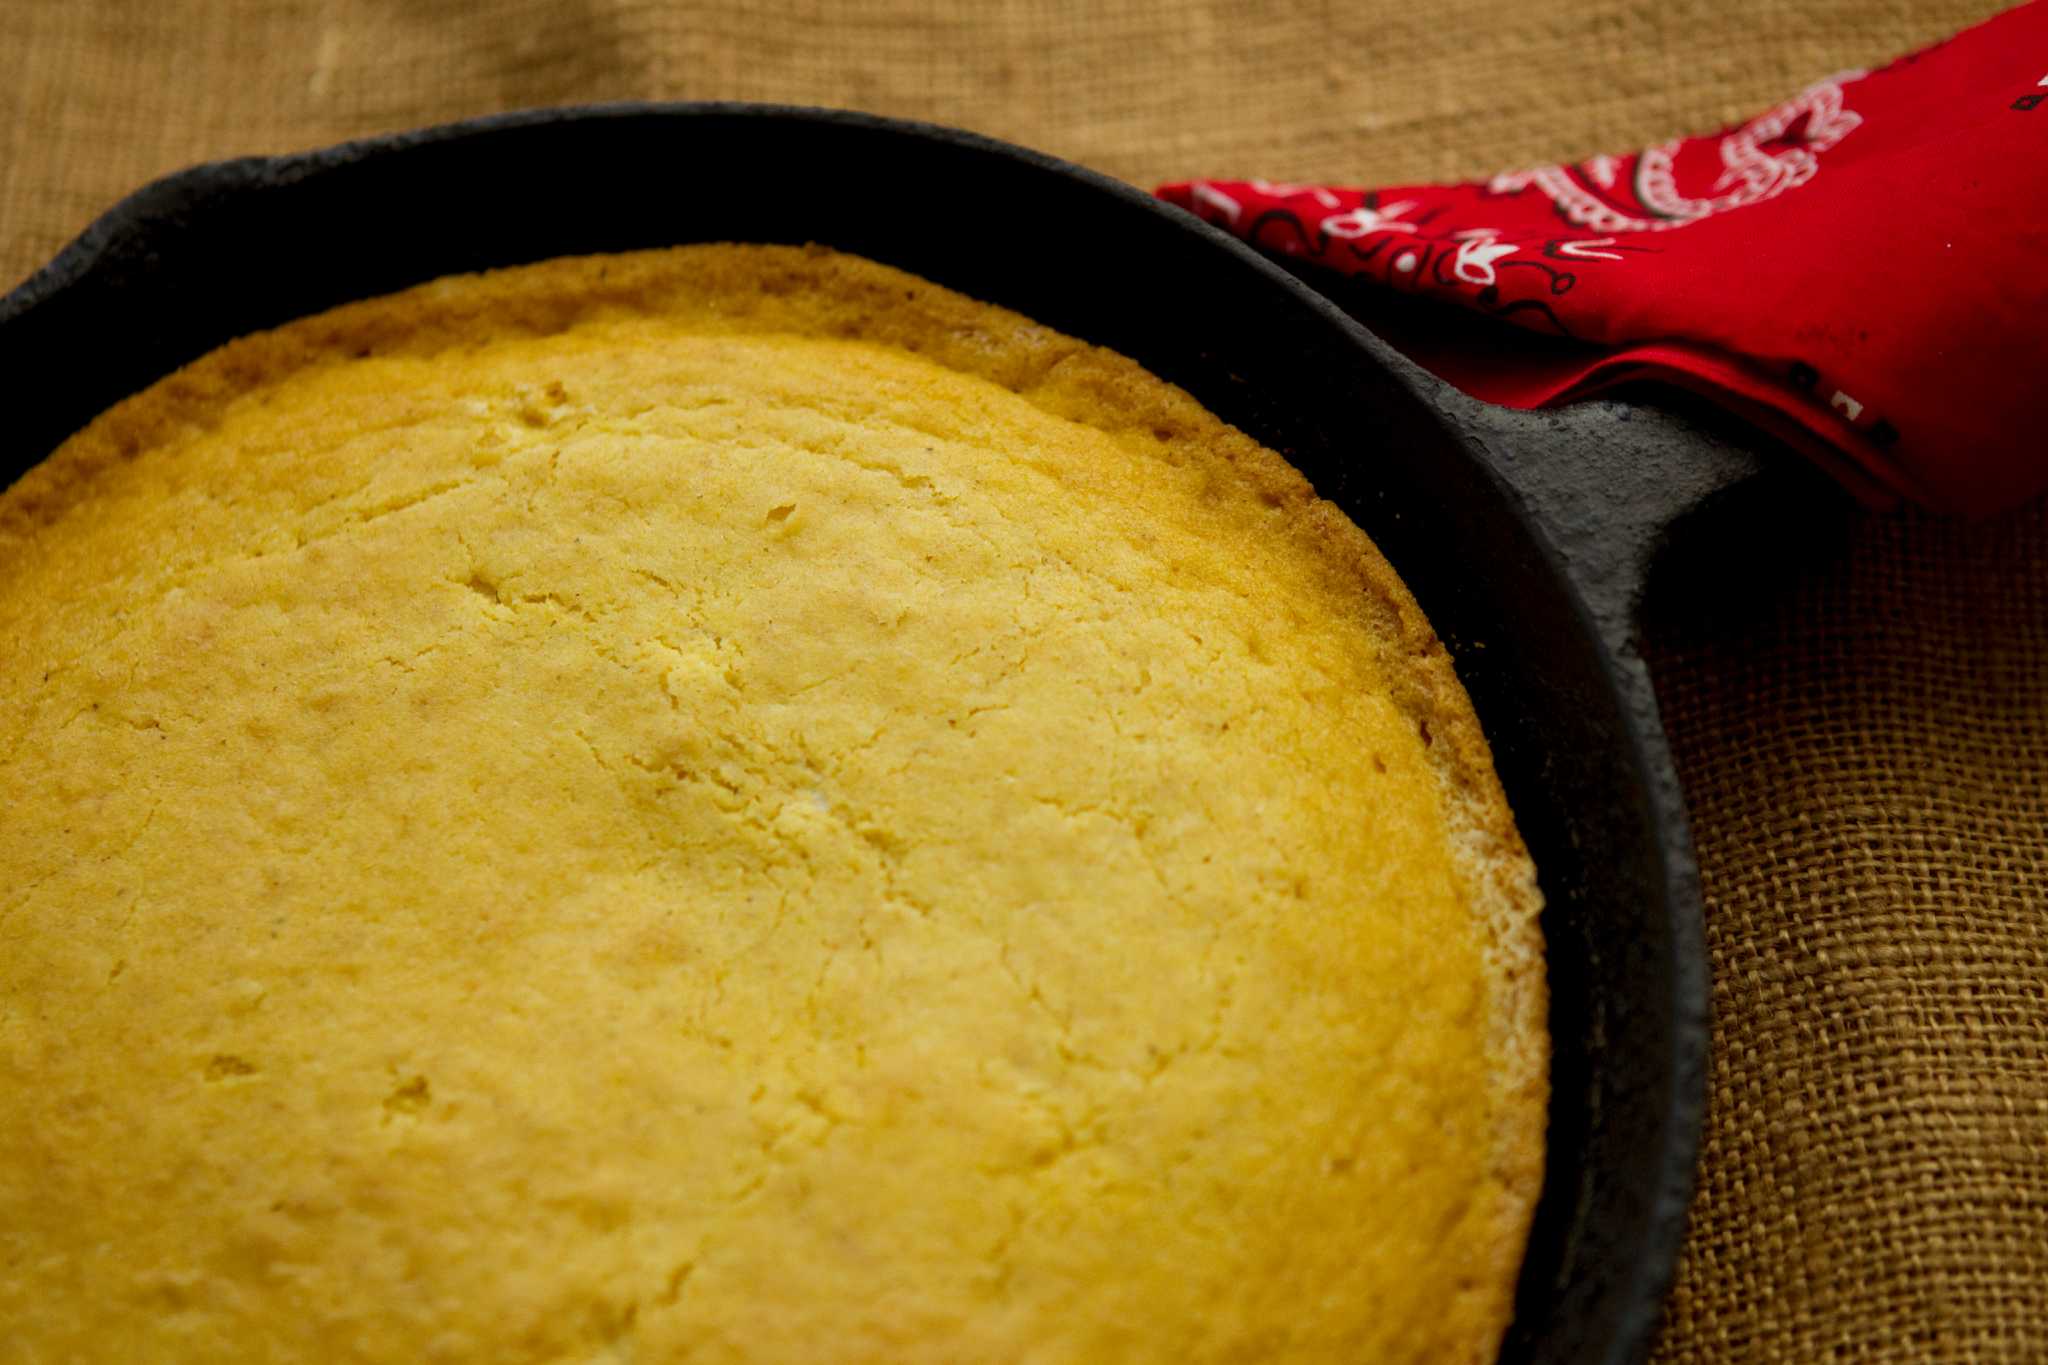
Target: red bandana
<point x="1862" y="271"/>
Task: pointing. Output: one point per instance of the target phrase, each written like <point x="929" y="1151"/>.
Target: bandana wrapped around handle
<point x="1861" y="270"/>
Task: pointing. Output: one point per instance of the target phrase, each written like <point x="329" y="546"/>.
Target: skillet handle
<point x="1613" y="483"/>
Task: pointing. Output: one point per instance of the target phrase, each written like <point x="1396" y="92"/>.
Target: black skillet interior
<point x="223" y="250"/>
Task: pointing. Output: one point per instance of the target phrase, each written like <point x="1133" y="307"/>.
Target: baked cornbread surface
<point x="730" y="804"/>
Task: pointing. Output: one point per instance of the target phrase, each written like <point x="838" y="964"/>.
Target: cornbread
<point x="731" y="804"/>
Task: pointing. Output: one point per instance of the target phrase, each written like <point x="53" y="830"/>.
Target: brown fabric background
<point x="1863" y="732"/>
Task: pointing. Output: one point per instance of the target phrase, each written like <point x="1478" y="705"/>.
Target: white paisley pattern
<point x="1751" y="174"/>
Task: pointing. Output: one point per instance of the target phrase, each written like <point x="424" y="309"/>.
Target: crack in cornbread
<point x="732" y="804"/>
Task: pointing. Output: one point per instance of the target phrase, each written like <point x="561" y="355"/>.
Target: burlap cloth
<point x="1863" y="731"/>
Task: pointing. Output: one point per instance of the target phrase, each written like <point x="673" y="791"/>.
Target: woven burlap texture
<point x="1863" y="731"/>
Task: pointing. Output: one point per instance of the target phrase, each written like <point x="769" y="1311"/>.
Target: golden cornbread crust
<point x="732" y="804"/>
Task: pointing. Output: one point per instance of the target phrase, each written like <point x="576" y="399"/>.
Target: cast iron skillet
<point x="1526" y="537"/>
